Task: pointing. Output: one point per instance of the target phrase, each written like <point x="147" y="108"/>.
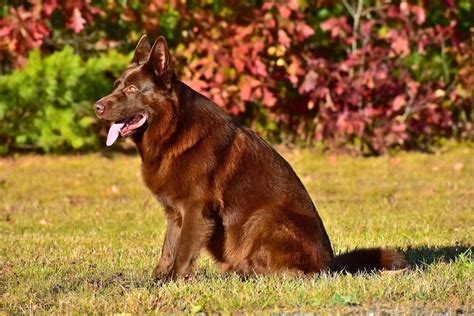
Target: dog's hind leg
<point x="283" y="243"/>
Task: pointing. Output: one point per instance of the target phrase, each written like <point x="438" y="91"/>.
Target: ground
<point x="81" y="234"/>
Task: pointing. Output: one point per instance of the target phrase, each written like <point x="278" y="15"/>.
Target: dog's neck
<point x="182" y="122"/>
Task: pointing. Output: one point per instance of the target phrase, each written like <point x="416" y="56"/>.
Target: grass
<point x="81" y="234"/>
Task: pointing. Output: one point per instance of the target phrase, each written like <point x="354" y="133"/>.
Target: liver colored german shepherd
<point x="222" y="187"/>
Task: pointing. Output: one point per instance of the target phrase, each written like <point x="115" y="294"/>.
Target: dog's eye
<point x="130" y="89"/>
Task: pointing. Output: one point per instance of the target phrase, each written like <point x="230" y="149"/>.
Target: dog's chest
<point x="174" y="184"/>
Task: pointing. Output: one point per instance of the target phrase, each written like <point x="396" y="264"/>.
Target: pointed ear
<point x="159" y="58"/>
<point x="142" y="51"/>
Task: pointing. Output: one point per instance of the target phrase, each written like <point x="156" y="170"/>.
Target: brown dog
<point x="223" y="188"/>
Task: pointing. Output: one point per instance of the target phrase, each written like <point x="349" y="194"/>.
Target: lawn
<point x="81" y="234"/>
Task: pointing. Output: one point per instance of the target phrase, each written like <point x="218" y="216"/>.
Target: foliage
<point x="47" y="104"/>
<point x="397" y="85"/>
<point x="364" y="75"/>
<point x="25" y="27"/>
<point x="382" y="80"/>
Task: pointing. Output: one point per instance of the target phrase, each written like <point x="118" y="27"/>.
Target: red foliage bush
<point x="383" y="93"/>
<point x="369" y="78"/>
<point x="377" y="87"/>
<point x="24" y="29"/>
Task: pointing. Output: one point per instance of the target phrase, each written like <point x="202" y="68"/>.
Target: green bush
<point x="47" y="105"/>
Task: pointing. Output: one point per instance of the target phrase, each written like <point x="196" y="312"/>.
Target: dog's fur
<point x="223" y="187"/>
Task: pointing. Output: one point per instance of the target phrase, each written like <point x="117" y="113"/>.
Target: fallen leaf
<point x="458" y="166"/>
<point x="394" y="161"/>
<point x="44" y="222"/>
<point x="114" y="189"/>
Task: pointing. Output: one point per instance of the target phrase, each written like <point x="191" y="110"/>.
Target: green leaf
<point x="21" y="139"/>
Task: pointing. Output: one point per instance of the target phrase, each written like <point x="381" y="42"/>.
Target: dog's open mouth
<point x="125" y="127"/>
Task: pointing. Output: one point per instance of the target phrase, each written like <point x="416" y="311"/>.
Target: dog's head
<point x="141" y="92"/>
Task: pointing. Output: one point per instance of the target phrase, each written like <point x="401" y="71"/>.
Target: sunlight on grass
<point x="81" y="234"/>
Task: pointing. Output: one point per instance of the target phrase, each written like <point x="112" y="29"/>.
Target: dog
<point x="222" y="187"/>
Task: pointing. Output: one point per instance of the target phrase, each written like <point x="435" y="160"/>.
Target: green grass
<point x="82" y="234"/>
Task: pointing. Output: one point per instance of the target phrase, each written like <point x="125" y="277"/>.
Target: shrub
<point x="396" y="84"/>
<point x="28" y="24"/>
<point x="47" y="105"/>
<point x="365" y="75"/>
<point x="378" y="79"/>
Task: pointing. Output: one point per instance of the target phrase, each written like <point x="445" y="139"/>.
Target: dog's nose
<point x="99" y="108"/>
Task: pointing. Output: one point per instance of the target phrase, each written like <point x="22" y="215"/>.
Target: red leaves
<point x="77" y="21"/>
<point x="304" y="29"/>
<point x="413" y="10"/>
<point x="26" y="29"/>
<point x="370" y="94"/>
<point x="259" y="68"/>
<point x="49" y="6"/>
<point x="328" y="24"/>
<point x="269" y="99"/>
<point x="339" y="86"/>
<point x="239" y="65"/>
<point x="419" y="13"/>
<point x="398" y="102"/>
<point x="294" y="70"/>
<point x="400" y="45"/>
<point x="283" y="39"/>
<point x="246" y="91"/>
<point x="366" y="28"/>
<point x="309" y="82"/>
<point x="284" y="11"/>
<point x="338" y="26"/>
<point x="21" y="31"/>
<point x="398" y="127"/>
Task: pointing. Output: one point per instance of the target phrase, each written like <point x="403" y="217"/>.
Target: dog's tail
<point x="367" y="260"/>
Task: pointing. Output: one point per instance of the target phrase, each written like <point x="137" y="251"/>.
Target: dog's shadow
<point x="423" y="256"/>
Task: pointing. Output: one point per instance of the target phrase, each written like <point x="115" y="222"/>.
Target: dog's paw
<point x="163" y="273"/>
<point x="167" y="272"/>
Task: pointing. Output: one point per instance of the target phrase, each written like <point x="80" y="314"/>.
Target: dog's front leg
<point x="195" y="232"/>
<point x="168" y="251"/>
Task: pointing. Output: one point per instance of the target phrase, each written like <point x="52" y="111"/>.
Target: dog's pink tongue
<point x="114" y="132"/>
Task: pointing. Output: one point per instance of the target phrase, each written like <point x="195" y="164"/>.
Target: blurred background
<point x="355" y="75"/>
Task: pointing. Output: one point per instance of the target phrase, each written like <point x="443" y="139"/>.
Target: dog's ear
<point x="142" y="51"/>
<point x="159" y="59"/>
